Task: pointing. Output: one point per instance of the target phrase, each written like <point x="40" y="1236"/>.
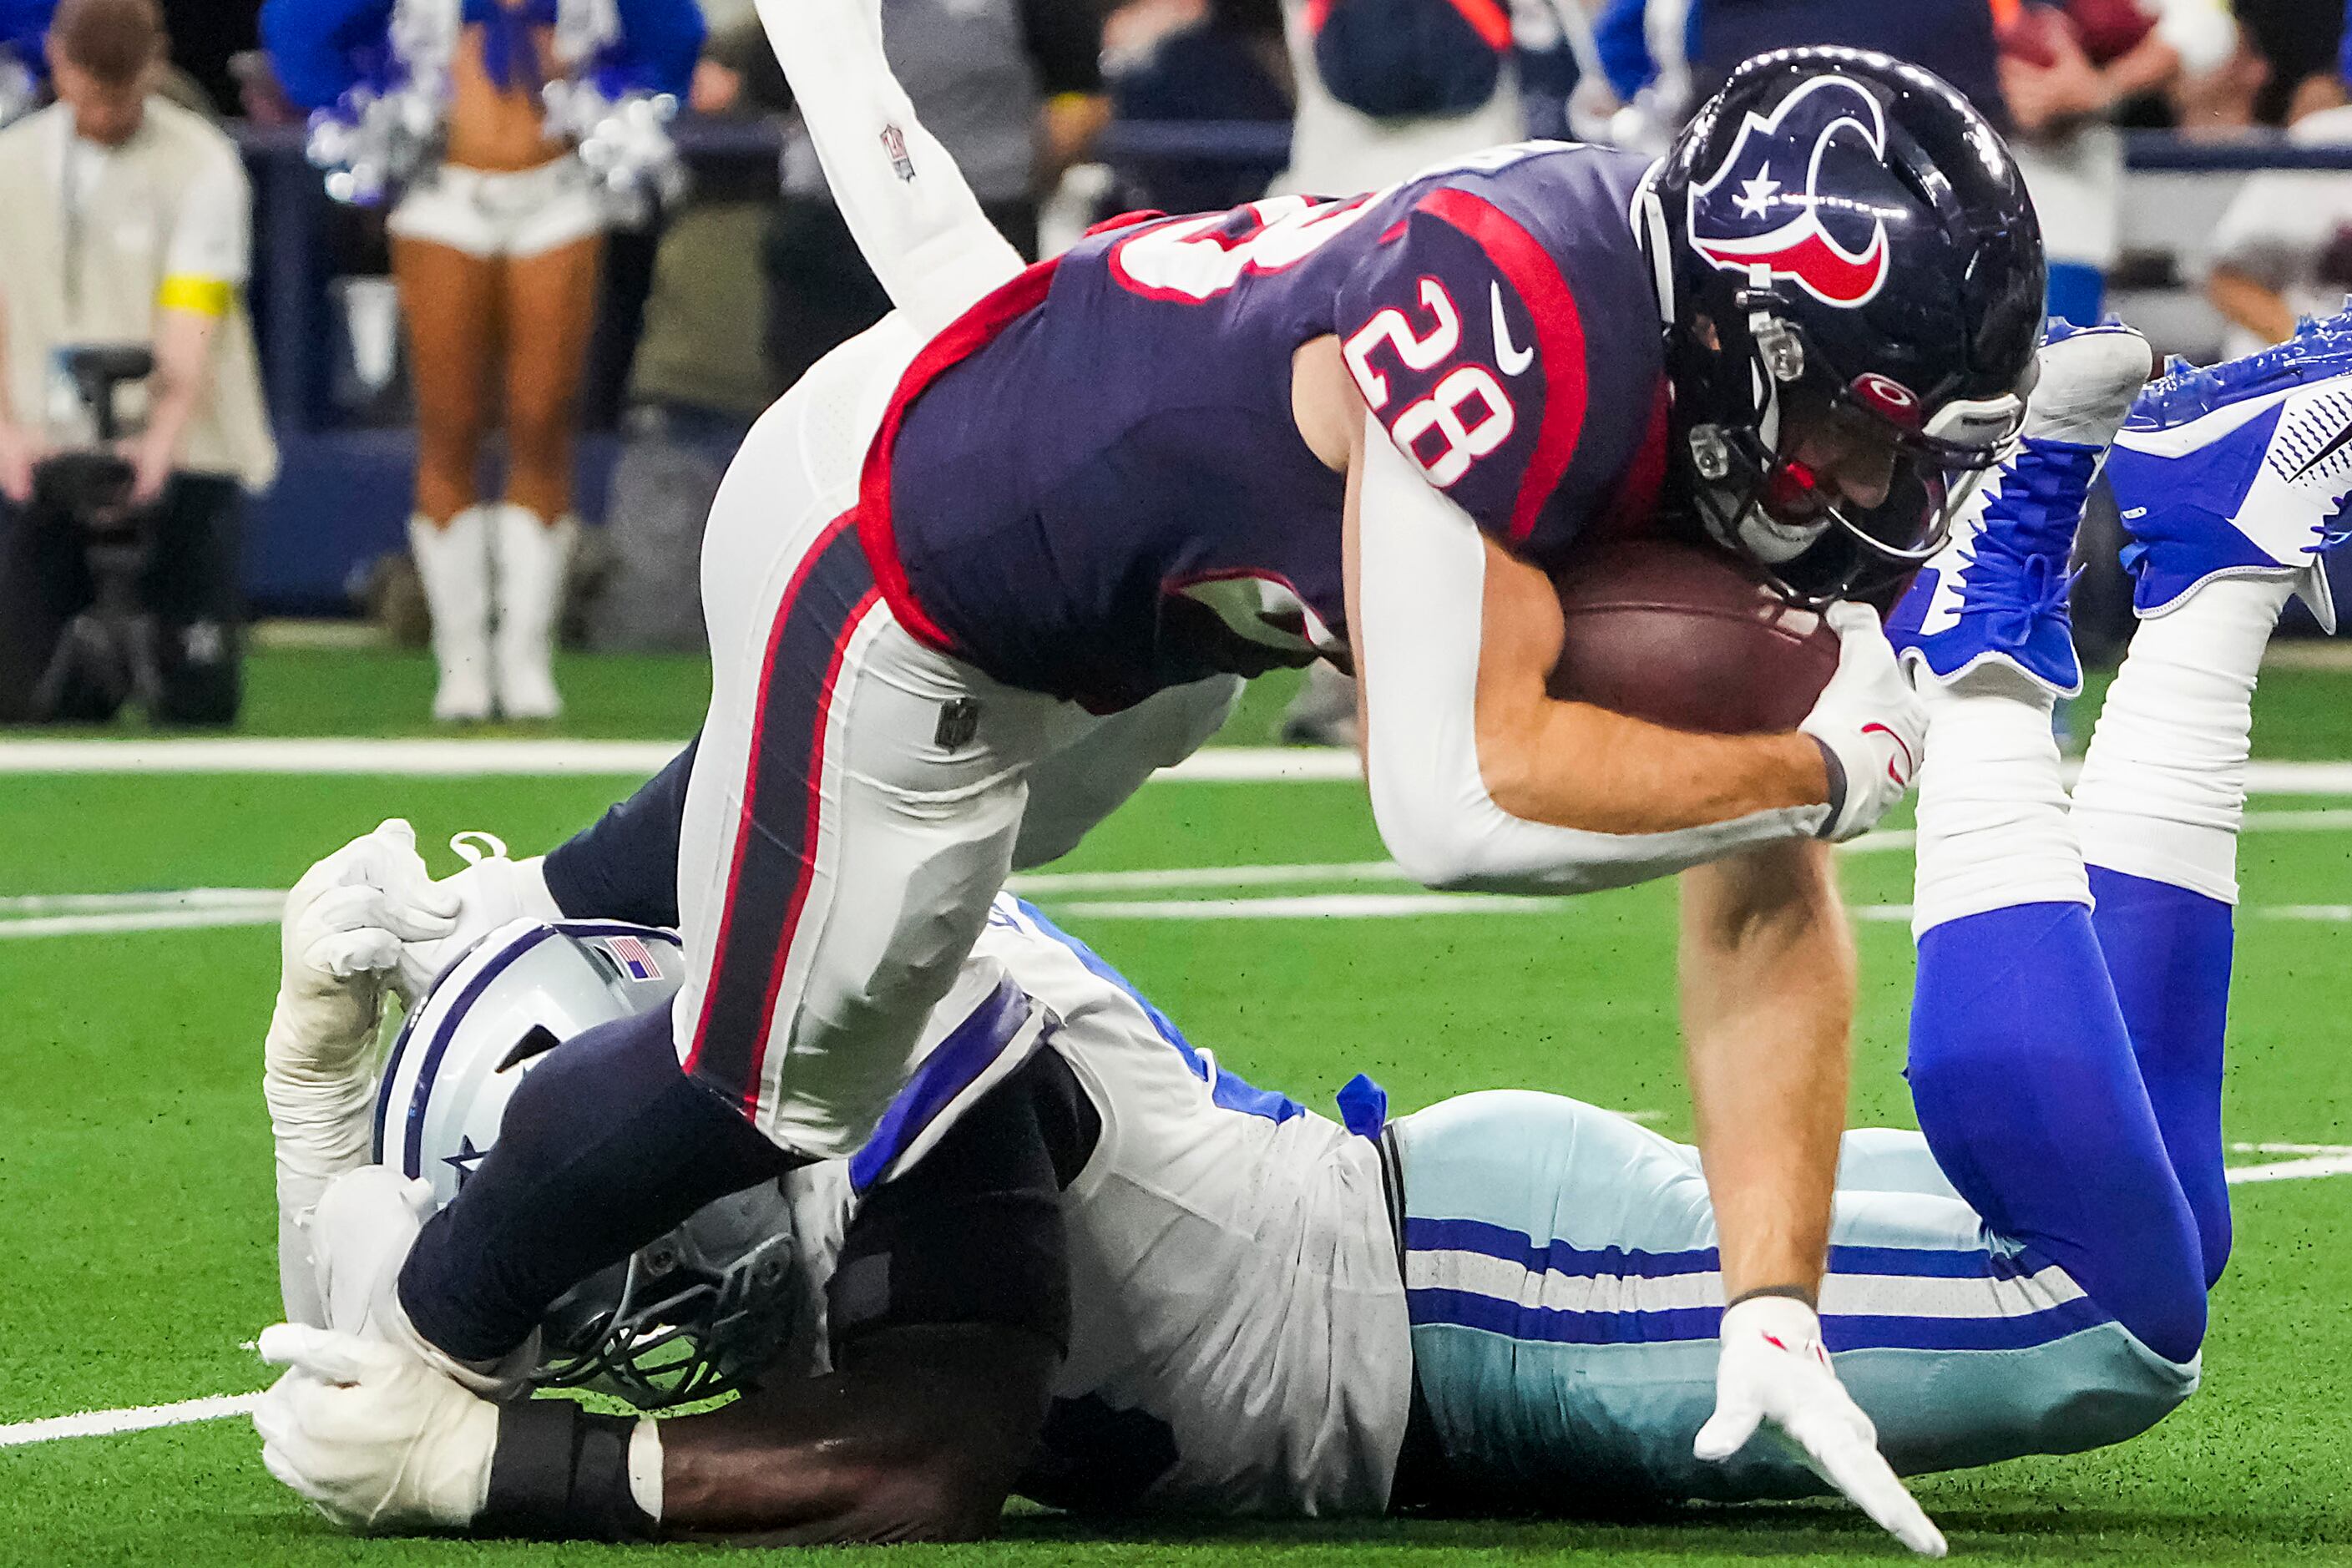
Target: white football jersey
<point x="1239" y="1343"/>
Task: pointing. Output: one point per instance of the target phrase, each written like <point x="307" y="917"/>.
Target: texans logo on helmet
<point x="1794" y="195"/>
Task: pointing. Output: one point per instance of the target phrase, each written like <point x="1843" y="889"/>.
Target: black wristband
<point x="1793" y="1292"/>
<point x="1836" y="771"/>
<point x="559" y="1472"/>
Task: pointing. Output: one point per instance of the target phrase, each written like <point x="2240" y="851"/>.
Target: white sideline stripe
<point x="2293" y="1170"/>
<point x="543" y="758"/>
<point x="480" y="759"/>
<point x="1318" y="906"/>
<point x="2291" y="1148"/>
<point x="138" y="1418"/>
<point x="1052" y="882"/>
<point x="144" y="920"/>
<point x="427" y="759"/>
<point x="112" y="903"/>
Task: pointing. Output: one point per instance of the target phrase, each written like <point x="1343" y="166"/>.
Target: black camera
<point x="107" y="654"/>
<point x="103" y="603"/>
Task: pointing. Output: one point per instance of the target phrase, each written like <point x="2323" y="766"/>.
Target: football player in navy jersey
<point x="992" y="564"/>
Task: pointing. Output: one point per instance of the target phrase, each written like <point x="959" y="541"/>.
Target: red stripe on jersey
<point x="1634" y="507"/>
<point x="746" y="826"/>
<point x="810" y="835"/>
<point x="962" y="338"/>
<point x="1560" y="339"/>
<point x="1491" y="22"/>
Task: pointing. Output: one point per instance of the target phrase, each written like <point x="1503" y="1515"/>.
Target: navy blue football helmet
<point x="1843" y="246"/>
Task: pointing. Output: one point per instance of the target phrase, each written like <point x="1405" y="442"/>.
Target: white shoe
<point x="531" y="556"/>
<point x="453" y="563"/>
<point x="2243" y="471"/>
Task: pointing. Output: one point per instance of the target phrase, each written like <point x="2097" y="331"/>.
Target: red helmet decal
<point x="1889" y="398"/>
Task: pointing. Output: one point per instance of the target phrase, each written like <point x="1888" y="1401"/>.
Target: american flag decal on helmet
<point x="636" y="960"/>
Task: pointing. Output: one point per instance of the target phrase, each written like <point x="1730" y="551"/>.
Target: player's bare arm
<point x="1767" y="988"/>
<point x="919" y="1437"/>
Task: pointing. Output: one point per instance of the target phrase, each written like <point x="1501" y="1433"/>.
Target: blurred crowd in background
<point x="1020" y="91"/>
<point x="545" y="262"/>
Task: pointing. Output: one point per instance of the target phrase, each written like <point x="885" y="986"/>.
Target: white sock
<point x="2163" y="790"/>
<point x="1993" y="828"/>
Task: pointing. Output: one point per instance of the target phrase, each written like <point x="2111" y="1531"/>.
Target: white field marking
<point x="125" y="903"/>
<point x="1317" y="906"/>
<point x="545" y="758"/>
<point x="425" y="759"/>
<point x="257" y="914"/>
<point x="2291" y="1148"/>
<point x="480" y="759"/>
<point x="2293" y="1170"/>
<point x="138" y="1418"/>
<point x="1051" y="883"/>
<point x="2338" y="913"/>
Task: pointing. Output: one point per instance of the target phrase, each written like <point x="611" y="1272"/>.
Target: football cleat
<point x="2240" y="471"/>
<point x="1997" y="590"/>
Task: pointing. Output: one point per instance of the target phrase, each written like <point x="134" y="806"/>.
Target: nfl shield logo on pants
<point x="894" y="142"/>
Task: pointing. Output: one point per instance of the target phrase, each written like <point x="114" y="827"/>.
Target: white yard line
<point x="138" y="1418"/>
<point x="142" y="920"/>
<point x="2291" y="1148"/>
<point x="125" y="903"/>
<point x="1049" y="884"/>
<point x="1314" y="905"/>
<point x="424" y="759"/>
<point x="2293" y="1170"/>
<point x="433" y="758"/>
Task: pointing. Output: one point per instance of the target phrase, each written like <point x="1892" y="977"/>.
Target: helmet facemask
<point x="699" y="1312"/>
<point x="1763" y="489"/>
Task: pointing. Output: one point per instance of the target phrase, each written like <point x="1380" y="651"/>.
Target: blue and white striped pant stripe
<point x="1562" y="1280"/>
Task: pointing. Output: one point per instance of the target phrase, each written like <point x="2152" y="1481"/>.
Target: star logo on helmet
<point x="464" y="1161"/>
<point x="1755" y="197"/>
<point x="1830" y="128"/>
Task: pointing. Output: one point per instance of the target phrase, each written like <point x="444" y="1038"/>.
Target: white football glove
<point x="360" y="1233"/>
<point x="1870" y="722"/>
<point x="375" y="1438"/>
<point x="491" y="890"/>
<point x="1775" y="1369"/>
<point x="342" y="933"/>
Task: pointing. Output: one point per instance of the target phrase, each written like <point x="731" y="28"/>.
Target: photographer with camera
<point x="122" y="264"/>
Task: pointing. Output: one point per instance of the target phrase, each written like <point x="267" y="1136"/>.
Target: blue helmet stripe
<point x="413" y="1144"/>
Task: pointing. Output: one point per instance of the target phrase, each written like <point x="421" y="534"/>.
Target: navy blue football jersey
<point x="1093" y="484"/>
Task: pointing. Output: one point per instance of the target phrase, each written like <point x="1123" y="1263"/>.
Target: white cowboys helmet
<point x="692" y="1315"/>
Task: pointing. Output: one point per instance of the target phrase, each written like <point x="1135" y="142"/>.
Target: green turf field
<point x="136" y="1223"/>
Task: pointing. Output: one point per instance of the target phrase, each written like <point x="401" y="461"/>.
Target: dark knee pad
<point x="605" y="1145"/>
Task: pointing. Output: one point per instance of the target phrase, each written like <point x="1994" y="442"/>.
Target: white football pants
<point x="858" y="797"/>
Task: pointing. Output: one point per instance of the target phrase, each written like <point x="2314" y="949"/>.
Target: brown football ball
<point x="1686" y="636"/>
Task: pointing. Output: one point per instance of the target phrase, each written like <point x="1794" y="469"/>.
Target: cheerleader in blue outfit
<point x="508" y="135"/>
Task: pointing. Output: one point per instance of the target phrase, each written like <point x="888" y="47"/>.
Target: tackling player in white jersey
<point x="1080" y="1261"/>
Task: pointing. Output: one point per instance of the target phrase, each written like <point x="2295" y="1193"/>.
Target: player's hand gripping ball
<point x="1684" y="635"/>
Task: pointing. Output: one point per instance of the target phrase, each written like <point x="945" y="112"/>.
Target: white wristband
<point x="645" y="1467"/>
